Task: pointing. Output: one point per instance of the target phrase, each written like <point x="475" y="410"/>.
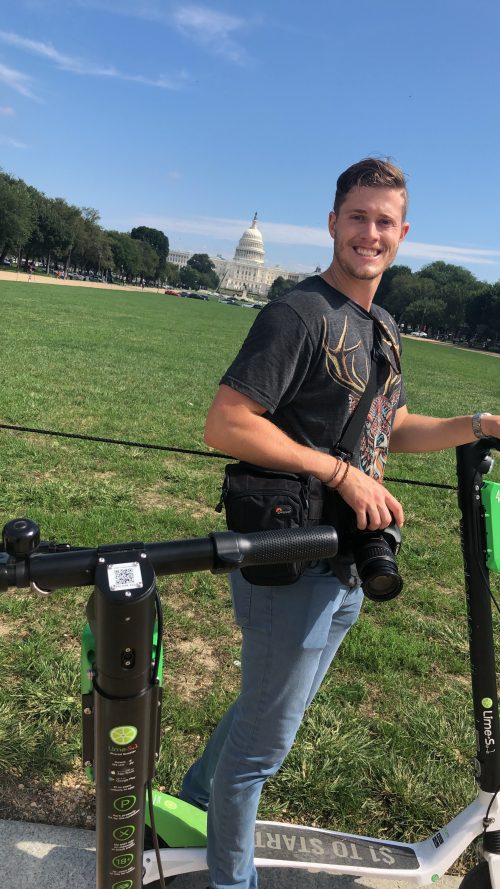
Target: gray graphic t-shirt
<point x="307" y="361"/>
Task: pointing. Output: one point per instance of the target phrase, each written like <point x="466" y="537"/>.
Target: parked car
<point x="172" y="292"/>
<point x="197" y="296"/>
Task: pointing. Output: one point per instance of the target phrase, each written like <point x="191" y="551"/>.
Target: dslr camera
<point x="372" y="552"/>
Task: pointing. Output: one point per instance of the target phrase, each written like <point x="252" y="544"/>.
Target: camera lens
<point x="377" y="567"/>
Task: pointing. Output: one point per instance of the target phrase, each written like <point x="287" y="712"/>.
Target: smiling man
<point x="283" y="404"/>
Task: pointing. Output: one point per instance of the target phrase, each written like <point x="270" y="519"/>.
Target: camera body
<point x="372" y="552"/>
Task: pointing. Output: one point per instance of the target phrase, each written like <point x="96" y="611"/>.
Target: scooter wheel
<point x="148" y="844"/>
<point x="477" y="878"/>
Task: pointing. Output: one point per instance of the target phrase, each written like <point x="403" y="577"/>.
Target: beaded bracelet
<point x="342" y="480"/>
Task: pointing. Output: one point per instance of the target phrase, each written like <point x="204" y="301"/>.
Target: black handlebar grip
<point x="274" y="547"/>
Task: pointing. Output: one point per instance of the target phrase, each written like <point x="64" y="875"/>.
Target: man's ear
<point x="332" y="218"/>
<point x="405" y="228"/>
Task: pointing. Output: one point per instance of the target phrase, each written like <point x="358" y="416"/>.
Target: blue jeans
<point x="290" y="636"/>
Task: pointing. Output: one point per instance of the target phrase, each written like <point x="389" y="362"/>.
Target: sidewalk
<point x="38" y="856"/>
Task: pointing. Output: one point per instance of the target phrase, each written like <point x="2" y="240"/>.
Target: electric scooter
<point x="121" y="699"/>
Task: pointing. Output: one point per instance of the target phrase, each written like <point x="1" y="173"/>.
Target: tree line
<point x="443" y="300"/>
<point x="38" y="229"/>
<point x="440" y="299"/>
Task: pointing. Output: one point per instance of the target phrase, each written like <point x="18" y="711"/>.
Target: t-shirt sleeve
<point x="274" y="358"/>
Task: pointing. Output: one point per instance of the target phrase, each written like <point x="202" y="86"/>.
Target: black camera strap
<point x="346" y="445"/>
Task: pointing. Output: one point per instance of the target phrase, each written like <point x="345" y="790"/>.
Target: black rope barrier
<point x="196" y="453"/>
<point x="115" y="441"/>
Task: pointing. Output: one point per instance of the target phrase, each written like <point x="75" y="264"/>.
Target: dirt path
<point x="62" y="282"/>
<point x="452" y="345"/>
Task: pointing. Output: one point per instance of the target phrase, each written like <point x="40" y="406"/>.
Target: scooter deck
<point x="292" y="843"/>
<point x="183" y="827"/>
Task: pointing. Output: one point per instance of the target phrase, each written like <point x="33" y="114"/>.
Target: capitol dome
<point x="251" y="246"/>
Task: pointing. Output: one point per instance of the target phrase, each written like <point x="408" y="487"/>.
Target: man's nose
<point x="370" y="229"/>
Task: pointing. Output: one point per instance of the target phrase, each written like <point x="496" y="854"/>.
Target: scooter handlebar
<point x="269" y="547"/>
<point x="49" y="567"/>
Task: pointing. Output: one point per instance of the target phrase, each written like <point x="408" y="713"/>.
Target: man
<point x="283" y="404"/>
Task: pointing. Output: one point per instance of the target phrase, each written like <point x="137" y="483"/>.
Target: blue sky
<point x="192" y="116"/>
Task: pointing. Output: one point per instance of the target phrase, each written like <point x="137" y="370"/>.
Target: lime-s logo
<point x="123" y="734"/>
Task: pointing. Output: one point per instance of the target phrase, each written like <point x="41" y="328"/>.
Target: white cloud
<point x="282" y="233"/>
<point x="82" y="66"/>
<point x="7" y="110"/>
<point x="447" y="253"/>
<point x="12" y="143"/>
<point x="213" y="30"/>
<point x="17" y="81"/>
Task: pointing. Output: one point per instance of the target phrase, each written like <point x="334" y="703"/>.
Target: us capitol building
<point x="246" y="272"/>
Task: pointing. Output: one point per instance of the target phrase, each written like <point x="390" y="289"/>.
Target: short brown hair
<point x="371" y="173"/>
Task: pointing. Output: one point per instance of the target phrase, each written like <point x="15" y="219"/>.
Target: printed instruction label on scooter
<point x="289" y="843"/>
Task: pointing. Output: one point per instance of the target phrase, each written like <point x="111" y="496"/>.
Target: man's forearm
<point x="418" y="433"/>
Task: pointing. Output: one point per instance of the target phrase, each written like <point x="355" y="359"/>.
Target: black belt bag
<point x="258" y="499"/>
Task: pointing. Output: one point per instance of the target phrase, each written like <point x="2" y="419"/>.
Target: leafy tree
<point x="279" y="287"/>
<point x="456" y="286"/>
<point x="17" y="214"/>
<point x="190" y="278"/>
<point x="51" y="234"/>
<point x="199" y="273"/>
<point x="171" y="274"/>
<point x="394" y="271"/>
<point x="483" y="312"/>
<point x="126" y="254"/>
<point x="73" y="222"/>
<point x="404" y="290"/>
<point x="426" y="313"/>
<point x="158" y="242"/>
<point x="148" y="261"/>
<point x="201" y="262"/>
<point x="445" y="273"/>
<point x="154" y="237"/>
<point x="90" y="248"/>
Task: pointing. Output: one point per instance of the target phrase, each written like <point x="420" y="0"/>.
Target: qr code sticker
<point x="125" y="576"/>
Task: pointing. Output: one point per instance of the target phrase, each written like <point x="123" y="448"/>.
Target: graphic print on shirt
<point x="376" y="434"/>
<point x="348" y="366"/>
<point x="342" y="361"/>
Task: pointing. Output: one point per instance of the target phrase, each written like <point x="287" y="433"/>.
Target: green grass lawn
<point x="387" y="749"/>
